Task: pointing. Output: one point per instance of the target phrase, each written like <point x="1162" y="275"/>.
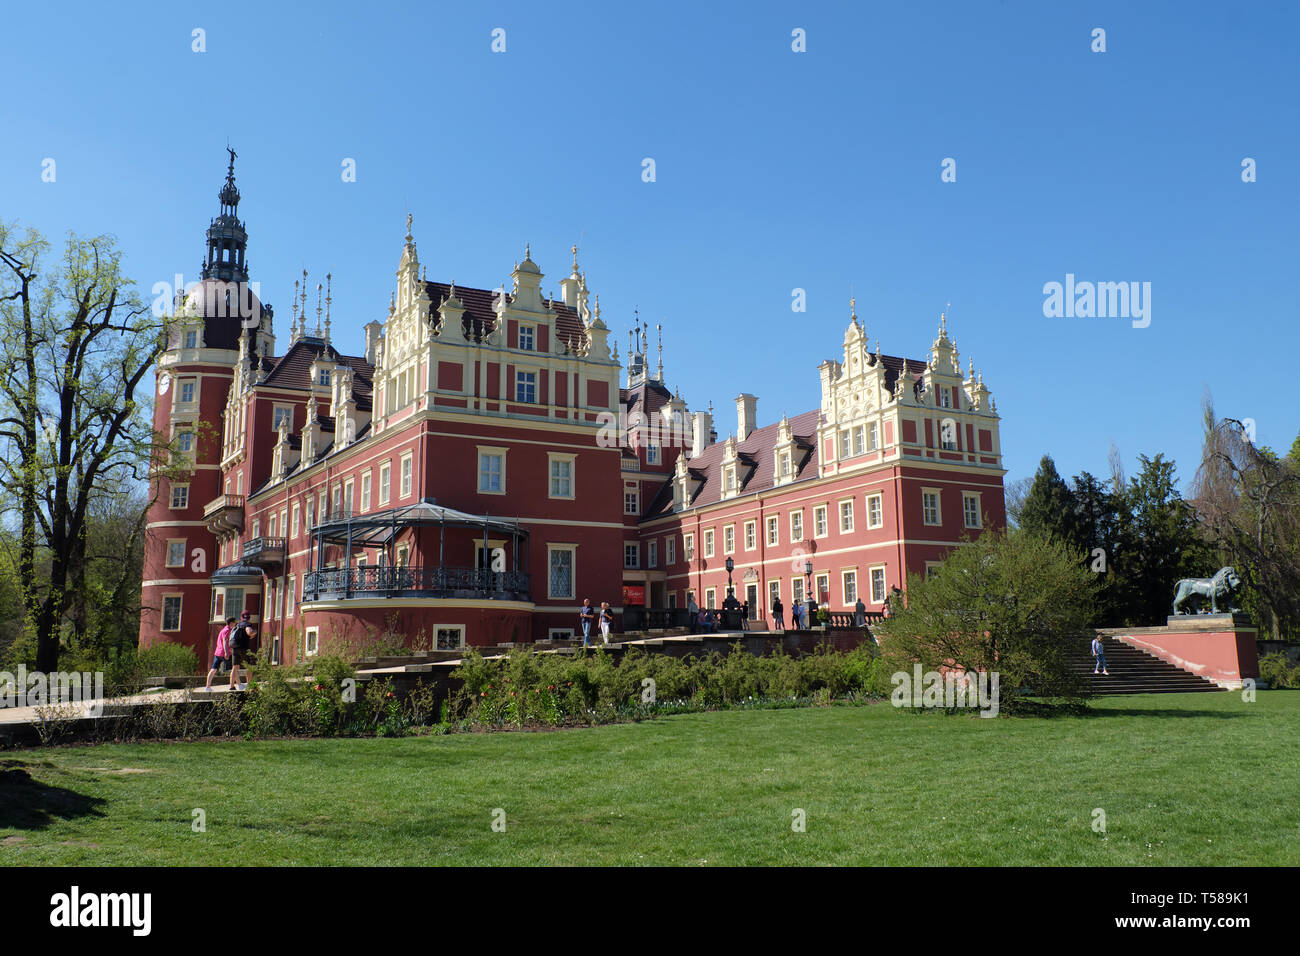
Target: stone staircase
<point x="1133" y="671"/>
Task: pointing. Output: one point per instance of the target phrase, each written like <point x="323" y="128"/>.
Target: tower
<point x="193" y="379"/>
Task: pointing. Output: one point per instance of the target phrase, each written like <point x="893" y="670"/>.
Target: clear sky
<point x="775" y="170"/>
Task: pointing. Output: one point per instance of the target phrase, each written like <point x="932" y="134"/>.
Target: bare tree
<point x="1248" y="501"/>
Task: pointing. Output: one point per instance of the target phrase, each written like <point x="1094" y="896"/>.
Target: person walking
<point x="606" y="621"/>
<point x="221" y="654"/>
<point x="778" y="613"/>
<point x="241" y="641"/>
<point x="693" y="612"/>
<point x="587" y="617"/>
<point x="796" y="614"/>
<point x="1099" y="656"/>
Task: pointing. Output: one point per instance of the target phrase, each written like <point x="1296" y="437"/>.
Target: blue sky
<point x="775" y="170"/>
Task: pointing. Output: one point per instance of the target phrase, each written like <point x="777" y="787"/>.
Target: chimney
<point x="746" y="415"/>
<point x="702" y="432"/>
<point x="374" y="331"/>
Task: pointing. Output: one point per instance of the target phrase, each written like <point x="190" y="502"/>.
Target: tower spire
<point x="660" y="329"/>
<point x="227" y="240"/>
<point x="328" y="277"/>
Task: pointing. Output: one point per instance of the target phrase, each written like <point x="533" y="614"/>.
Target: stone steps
<point x="1133" y="671"/>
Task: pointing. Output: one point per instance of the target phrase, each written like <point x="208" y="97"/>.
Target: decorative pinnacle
<point x="409" y="219"/>
<point x="318" y="291"/>
<point x="328" y="277"/>
<point x="528" y="250"/>
<point x="853" y="307"/>
<point x="574" y="249"/>
<point x="304" y="300"/>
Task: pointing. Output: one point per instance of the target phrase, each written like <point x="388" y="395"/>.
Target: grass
<point x="1196" y="779"/>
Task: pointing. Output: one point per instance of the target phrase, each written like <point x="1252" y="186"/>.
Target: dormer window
<point x="784" y="471"/>
<point x="527" y="338"/>
<point x="729" y="480"/>
<point x="323" y="378"/>
<point x="945" y="397"/>
<point x="191" y="339"/>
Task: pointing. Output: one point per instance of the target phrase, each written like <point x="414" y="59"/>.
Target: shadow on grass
<point x="28" y="804"/>
<point x="1170" y="712"/>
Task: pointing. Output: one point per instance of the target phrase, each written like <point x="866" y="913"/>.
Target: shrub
<point x="167" y="660"/>
<point x="1278" y="671"/>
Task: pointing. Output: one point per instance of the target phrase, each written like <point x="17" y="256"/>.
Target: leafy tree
<point x="1017" y="603"/>
<point x="1048" y="509"/>
<point x="76" y="343"/>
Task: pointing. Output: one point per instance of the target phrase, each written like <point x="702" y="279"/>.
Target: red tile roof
<point x="480" y="317"/>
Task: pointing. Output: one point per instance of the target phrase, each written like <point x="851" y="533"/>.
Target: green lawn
<point x="1202" y="779"/>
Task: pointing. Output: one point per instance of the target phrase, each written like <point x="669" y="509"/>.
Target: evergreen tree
<point x="1047" y="510"/>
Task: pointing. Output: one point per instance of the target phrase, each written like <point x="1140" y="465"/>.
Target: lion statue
<point x="1195" y="590"/>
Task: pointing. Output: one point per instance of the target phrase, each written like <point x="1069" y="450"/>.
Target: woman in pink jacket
<point x="222" y="654"/>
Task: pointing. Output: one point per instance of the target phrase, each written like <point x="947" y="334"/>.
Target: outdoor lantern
<point x="731" y="565"/>
<point x="807" y="567"/>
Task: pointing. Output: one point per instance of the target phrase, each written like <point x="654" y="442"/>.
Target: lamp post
<point x="807" y="590"/>
<point x="731" y="605"/>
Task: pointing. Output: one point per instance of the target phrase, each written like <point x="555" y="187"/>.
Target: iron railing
<point x="417" y="579"/>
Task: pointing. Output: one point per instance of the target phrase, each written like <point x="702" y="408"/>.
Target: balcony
<point x="224" y="514"/>
<point x="416" y="581"/>
<point x="264" y="551"/>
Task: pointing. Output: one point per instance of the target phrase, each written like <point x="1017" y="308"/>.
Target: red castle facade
<point x="480" y="467"/>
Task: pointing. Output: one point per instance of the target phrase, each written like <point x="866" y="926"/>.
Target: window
<point x="823" y="585"/>
<point x="970" y="506"/>
<point x="875" y="516"/>
<point x="234" y="602"/>
<point x="859" y="440"/>
<point x="180" y="496"/>
<point x="796" y="525"/>
<point x="932" y="568"/>
<point x="451" y="637"/>
<point x="282" y="413"/>
<point x="872" y="439"/>
<point x="930" y="506"/>
<point x="407" y="462"/>
<point x="527" y="338"/>
<point x="688" y="546"/>
<point x="559" y="579"/>
<point x="850" y="579"/>
<point x="313" y="641"/>
<point x="652" y="554"/>
<point x="631" y="555"/>
<point x="171" y="612"/>
<point x="257" y="528"/>
<point x="365" y="492"/>
<point x="784" y="469"/>
<point x="751" y="535"/>
<point x="773" y="530"/>
<point x="945" y="396"/>
<point x="323" y="378"/>
<point x="729" y="480"/>
<point x="877" y="585"/>
<point x="561" y="476"/>
<point x="773" y="592"/>
<point x="729" y="539"/>
<point x="819" y="521"/>
<point x="311" y="512"/>
<point x="176" y="553"/>
<point x="708" y="543"/>
<point x="652" y="454"/>
<point x="796" y="589"/>
<point x="948" y="434"/>
<point x="336" y="500"/>
<point x="844" y="443"/>
<point x="631" y="499"/>
<point x="559" y="633"/>
<point x="846" y="516"/>
<point x="526" y="387"/>
<point x="185" y="442"/>
<point x="670" y="549"/>
<point x="191" y="339"/>
<point x="385" y="482"/>
<point x="188" y="390"/>
<point x="710" y="597"/>
<point x="348" y="500"/>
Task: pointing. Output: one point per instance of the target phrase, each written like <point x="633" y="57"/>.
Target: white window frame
<point x="751" y="535"/>
<point x="708" y="542"/>
<point x="311" y="642"/>
<point x="521" y="384"/>
<point x="490" y="451"/>
<point x="773" y="530"/>
<point x="632" y="555"/>
<point x="688" y="546"/>
<point x="171" y="543"/>
<point x="652" y="554"/>
<point x="821" y="528"/>
<point x="884" y="582"/>
<point x="277" y="412"/>
<point x="553" y="459"/>
<point x="846" y="529"/>
<point x="385" y="482"/>
<point x="180" y="612"/>
<point x="365" y="491"/>
<point x="729" y="538"/>
<point x="878" y="520"/>
<point x="711" y="599"/>
<point x="938" y="507"/>
<point x="531" y="331"/>
<point x="572" y="551"/>
<point x="670" y="550"/>
<point x="458" y="628"/>
<point x="845" y="576"/>
<point x="408" y="474"/>
<point x="183" y="486"/>
<point x="966" y="498"/>
<point x="796" y="525"/>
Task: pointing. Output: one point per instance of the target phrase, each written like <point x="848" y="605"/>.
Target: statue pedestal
<point x="1219" y="647"/>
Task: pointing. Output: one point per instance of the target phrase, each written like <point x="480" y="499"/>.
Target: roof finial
<point x="660" y="329"/>
<point x="853" y="307"/>
<point x="943" y="319"/>
<point x="528" y="251"/>
<point x="303" y="310"/>
<point x="574" y="249"/>
<point x="318" y="290"/>
<point x="328" y="277"/>
<point x="409" y="219"/>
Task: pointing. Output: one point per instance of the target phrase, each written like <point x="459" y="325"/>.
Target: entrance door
<point x="751" y="595"/>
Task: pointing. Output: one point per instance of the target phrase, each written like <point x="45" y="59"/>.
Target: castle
<point x="483" y="464"/>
